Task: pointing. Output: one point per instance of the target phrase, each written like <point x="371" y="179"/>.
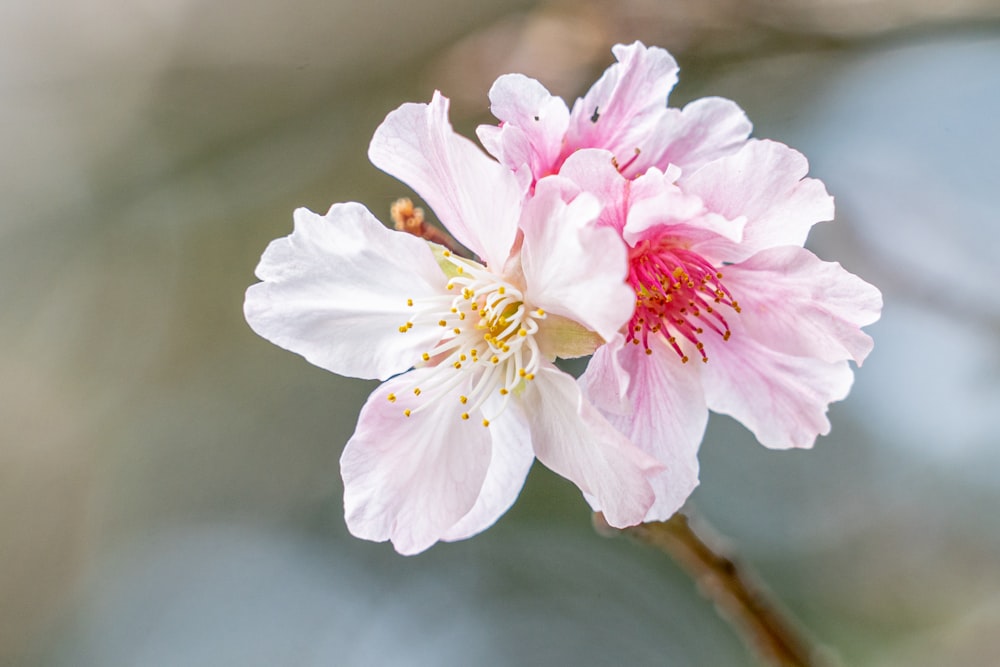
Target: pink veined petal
<point x="622" y="109"/>
<point x="593" y="171"/>
<point x="667" y="419"/>
<point x="781" y="398"/>
<point x="476" y="198"/>
<point x="794" y="302"/>
<point x="411" y="479"/>
<point x="704" y="130"/>
<point x="335" y="292"/>
<point x="571" y="267"/>
<point x="533" y="124"/>
<point x="605" y="382"/>
<point x="572" y="438"/>
<point x="765" y="182"/>
<point x="511" y="460"/>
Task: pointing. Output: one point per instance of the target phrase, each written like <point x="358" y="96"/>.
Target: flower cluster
<point x="663" y="241"/>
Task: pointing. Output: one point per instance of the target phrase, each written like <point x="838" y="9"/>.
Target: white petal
<point x="410" y="479"/>
<point x="782" y="399"/>
<point x="335" y="291"/>
<point x="574" y="268"/>
<point x="572" y="438"/>
<point x="511" y="460"/>
<point x="476" y="198"/>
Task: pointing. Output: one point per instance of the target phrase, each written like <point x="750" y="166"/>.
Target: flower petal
<point x="532" y="125"/>
<point x="764" y="182"/>
<point x="575" y="441"/>
<point x="667" y="418"/>
<point x="593" y="171"/>
<point x="704" y="130"/>
<point x="476" y="198"/>
<point x="411" y="479"/>
<point x="794" y="302"/>
<point x="781" y="398"/>
<point x="572" y="267"/>
<point x="622" y="109"/>
<point x="335" y="291"/>
<point x="511" y="460"/>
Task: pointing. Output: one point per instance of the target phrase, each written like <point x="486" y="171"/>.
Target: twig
<point x="773" y="638"/>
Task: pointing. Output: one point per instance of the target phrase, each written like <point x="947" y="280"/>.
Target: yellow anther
<point x="486" y="422"/>
<point x="409" y="302"/>
<point x="461" y="316"/>
<point x="403" y="329"/>
<point x="459" y="269"/>
<point x="502" y="290"/>
<point x="540" y="312"/>
<point x="522" y="372"/>
<point x="426" y="357"/>
<point x="463" y="399"/>
<point x="462" y="357"/>
<point x="416" y="391"/>
<point x="442" y="323"/>
<point x="503" y="391"/>
<point x="648" y="351"/>
<point x="454" y="310"/>
<point x="465" y="415"/>
<point x="392" y="398"/>
<point x="450" y="286"/>
<point x="456" y="331"/>
<point x="529" y="376"/>
<point x="447" y="253"/>
<point x="522" y="332"/>
<point x="684" y="359"/>
<point x="406" y="412"/>
<point x="495" y="359"/>
<point x="457" y="364"/>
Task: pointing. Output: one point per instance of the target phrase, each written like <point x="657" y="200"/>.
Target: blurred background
<point x="169" y="487"/>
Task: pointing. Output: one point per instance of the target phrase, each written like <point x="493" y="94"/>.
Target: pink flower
<point x="731" y="313"/>
<point x="471" y="395"/>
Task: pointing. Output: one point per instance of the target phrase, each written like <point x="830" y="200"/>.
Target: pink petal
<point x="798" y="304"/>
<point x="511" y="460"/>
<point x="781" y="398"/>
<point x="621" y="111"/>
<point x="764" y="182"/>
<point x="411" y="479"/>
<point x="533" y="124"/>
<point x="476" y="198"/>
<point x="593" y="171"/>
<point x="705" y="130"/>
<point x="571" y="438"/>
<point x="572" y="267"/>
<point x="335" y="291"/>
<point x="605" y="382"/>
<point x="667" y="417"/>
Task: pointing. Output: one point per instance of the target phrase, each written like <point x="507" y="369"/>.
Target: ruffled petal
<point x="476" y="198"/>
<point x="572" y="438"/>
<point x="532" y="125"/>
<point x="794" y="302"/>
<point x="335" y="291"/>
<point x="572" y="267"/>
<point x="411" y="479"/>
<point x="781" y="398"/>
<point x="667" y="418"/>
<point x="764" y="182"/>
<point x="605" y="382"/>
<point x="704" y="130"/>
<point x="511" y="460"/>
<point x="593" y="171"/>
<point x="622" y="109"/>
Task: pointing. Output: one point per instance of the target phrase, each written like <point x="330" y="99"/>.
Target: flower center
<point x="487" y="329"/>
<point x="677" y="295"/>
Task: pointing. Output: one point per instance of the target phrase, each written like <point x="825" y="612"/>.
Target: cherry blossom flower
<point x="471" y="395"/>
<point x="731" y="313"/>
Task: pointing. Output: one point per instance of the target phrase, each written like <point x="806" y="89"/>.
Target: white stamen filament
<point x="486" y="328"/>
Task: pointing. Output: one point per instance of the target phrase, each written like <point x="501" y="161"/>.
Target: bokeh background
<point x="169" y="488"/>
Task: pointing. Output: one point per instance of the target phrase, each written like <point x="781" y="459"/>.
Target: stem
<point x="765" y="630"/>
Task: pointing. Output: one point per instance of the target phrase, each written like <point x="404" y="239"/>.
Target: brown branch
<point x="773" y="638"/>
